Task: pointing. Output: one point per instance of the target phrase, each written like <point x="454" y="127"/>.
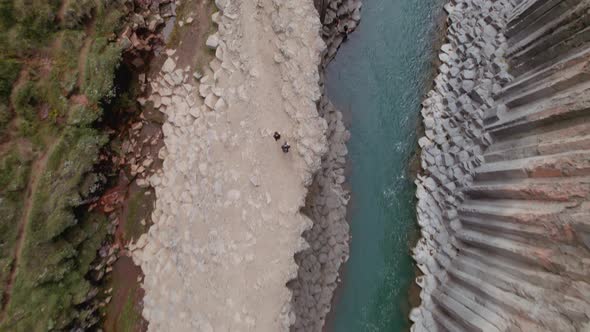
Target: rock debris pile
<point x="142" y="35"/>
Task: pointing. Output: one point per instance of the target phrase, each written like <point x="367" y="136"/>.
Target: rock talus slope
<point x="504" y="201"/>
<point x="227" y="220"/>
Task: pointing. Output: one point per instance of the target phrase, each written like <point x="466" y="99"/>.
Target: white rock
<point x="212" y="41"/>
<point x="177" y="78"/>
<point x="233" y="195"/>
<point x="194" y="112"/>
<point x="141" y="242"/>
<point x="142" y="183"/>
<point x="191" y="100"/>
<point x="211" y="100"/>
<point x="165" y="92"/>
<point x="204" y="90"/>
<point x="221" y="4"/>
<point x="220" y="105"/>
<point x="215" y="18"/>
<point x="168" y="66"/>
<point x="157" y="101"/>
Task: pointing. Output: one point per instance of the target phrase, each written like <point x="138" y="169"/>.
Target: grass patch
<point x="30" y="22"/>
<point x="138" y="209"/>
<point x="44" y="296"/>
<point x="59" y="245"/>
<point x="9" y="70"/>
<point x="109" y="18"/>
<point x="77" y="12"/>
<point x="182" y="11"/>
<point x="83" y="116"/>
<point x="14" y="174"/>
<point x="61" y="238"/>
<point x="5" y="117"/>
<point x="65" y="68"/>
<point x="129" y="317"/>
<point x="26" y="99"/>
<point x="14" y="171"/>
<point x="102" y="62"/>
<point x="57" y="193"/>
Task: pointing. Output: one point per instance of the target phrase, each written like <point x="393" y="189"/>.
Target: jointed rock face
<point x="328" y="238"/>
<point x="504" y="201"/>
<point x="227" y="221"/>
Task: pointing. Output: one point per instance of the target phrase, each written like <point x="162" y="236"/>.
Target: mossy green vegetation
<point x="9" y="69"/>
<point x="65" y="68"/>
<point x="15" y="168"/>
<point x="57" y="191"/>
<point x="102" y="62"/>
<point x="44" y="295"/>
<point x="77" y="12"/>
<point x="59" y="245"/>
<point x="138" y="208"/>
<point x="30" y="22"/>
<point x="56" y="70"/>
<point x="104" y="56"/>
<point x="130" y="317"/>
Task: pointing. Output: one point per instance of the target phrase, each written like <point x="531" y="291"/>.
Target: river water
<point x="378" y="81"/>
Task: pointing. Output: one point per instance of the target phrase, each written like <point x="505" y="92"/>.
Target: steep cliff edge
<point x="504" y="198"/>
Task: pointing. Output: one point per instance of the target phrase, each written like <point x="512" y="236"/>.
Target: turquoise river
<point x="378" y="80"/>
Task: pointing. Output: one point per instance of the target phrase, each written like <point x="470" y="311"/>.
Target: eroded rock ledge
<point x="504" y="198"/>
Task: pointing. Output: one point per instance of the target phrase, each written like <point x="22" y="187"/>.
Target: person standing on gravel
<point x="285" y="147"/>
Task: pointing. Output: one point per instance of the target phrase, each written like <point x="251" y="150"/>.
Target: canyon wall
<point x="503" y="200"/>
<point x="326" y="203"/>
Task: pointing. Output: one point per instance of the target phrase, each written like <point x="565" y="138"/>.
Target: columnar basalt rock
<point x="342" y="17"/>
<point x="504" y="201"/>
<point x="319" y="265"/>
<point x="227" y="221"/>
<point x="328" y="238"/>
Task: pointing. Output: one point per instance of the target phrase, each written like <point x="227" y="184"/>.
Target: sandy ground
<point x="227" y="220"/>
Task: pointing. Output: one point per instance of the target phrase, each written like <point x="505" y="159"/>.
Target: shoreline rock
<point x="328" y="238"/>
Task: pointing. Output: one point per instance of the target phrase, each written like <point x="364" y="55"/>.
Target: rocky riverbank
<point x="236" y="202"/>
<point x="504" y="189"/>
<point x="326" y="203"/>
<point x="227" y="221"/>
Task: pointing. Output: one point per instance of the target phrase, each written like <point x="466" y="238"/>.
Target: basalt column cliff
<point x="504" y="198"/>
